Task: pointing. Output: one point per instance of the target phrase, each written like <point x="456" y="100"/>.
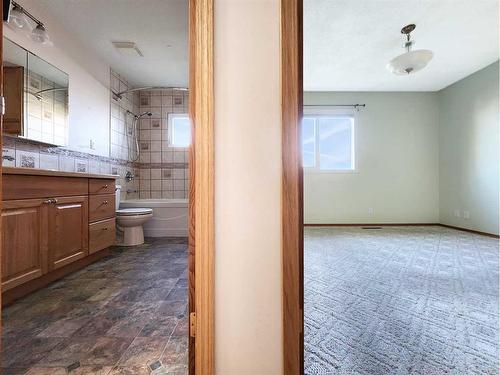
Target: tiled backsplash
<point x="161" y="172"/>
<point x="18" y="152"/>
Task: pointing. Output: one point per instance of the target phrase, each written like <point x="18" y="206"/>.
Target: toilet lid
<point x="134" y="211"/>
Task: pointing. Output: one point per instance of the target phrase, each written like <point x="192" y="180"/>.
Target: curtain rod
<point x="335" y="105"/>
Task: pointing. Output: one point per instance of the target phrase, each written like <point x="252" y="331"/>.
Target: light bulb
<point x="17" y="19"/>
<point x="40" y="35"/>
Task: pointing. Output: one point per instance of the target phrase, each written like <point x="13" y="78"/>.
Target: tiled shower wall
<point x="164" y="169"/>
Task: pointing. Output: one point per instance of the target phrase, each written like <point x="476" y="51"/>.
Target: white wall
<point x="469" y="146"/>
<point x="88" y="81"/>
<point x="248" y="327"/>
<point x="396" y="137"/>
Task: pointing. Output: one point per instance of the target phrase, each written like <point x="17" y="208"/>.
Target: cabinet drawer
<point x="25" y="187"/>
<point x="101" y="207"/>
<point x="101" y="186"/>
<point x="101" y="235"/>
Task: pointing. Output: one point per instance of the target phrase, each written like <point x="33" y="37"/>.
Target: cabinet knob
<point x="105" y="202"/>
<point x="105" y="186"/>
<point x="50" y="201"/>
<point x="104" y="228"/>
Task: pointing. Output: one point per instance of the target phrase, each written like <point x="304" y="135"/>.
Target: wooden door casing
<point x="24" y="241"/>
<point x="67" y="230"/>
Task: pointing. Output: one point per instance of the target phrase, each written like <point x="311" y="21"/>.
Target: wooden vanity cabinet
<point x="13" y="91"/>
<point x="67" y="230"/>
<point x="45" y="235"/>
<point x="24" y="241"/>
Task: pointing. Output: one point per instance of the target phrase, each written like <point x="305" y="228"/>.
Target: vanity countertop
<point x="50" y="172"/>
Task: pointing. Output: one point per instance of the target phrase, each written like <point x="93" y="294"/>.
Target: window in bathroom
<point x="180" y="130"/>
<point x="328" y="142"/>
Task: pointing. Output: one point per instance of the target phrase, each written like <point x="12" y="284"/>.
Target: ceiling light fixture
<point x="40" y="35"/>
<point x="19" y="19"/>
<point x="410" y="61"/>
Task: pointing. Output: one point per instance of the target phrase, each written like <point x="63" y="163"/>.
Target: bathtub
<point x="170" y="216"/>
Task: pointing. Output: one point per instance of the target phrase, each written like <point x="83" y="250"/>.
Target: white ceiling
<point x="158" y="27"/>
<point x="348" y="43"/>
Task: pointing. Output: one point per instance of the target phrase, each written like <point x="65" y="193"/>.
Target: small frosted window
<point x="180" y="130"/>
<point x="328" y="142"/>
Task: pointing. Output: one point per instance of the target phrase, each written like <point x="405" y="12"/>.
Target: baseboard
<point x="404" y="225"/>
<point x="372" y="225"/>
<point x="471" y="231"/>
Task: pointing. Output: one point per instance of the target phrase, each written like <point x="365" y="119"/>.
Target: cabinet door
<point x="24" y="241"/>
<point x="13" y="91"/>
<point x="68" y="231"/>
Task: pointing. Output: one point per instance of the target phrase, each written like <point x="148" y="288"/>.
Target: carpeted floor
<point x="401" y="300"/>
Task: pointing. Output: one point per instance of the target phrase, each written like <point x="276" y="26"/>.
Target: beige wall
<point x="248" y="329"/>
<point x="468" y="155"/>
<point x="396" y="153"/>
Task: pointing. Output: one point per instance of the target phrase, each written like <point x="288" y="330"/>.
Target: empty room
<point x="400" y="146"/>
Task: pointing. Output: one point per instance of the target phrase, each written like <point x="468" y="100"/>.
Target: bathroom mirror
<point x="36" y="97"/>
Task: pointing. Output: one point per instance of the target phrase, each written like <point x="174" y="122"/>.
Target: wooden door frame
<point x="201" y="187"/>
<point x="292" y="187"/>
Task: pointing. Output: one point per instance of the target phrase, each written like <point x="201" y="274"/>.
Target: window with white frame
<point x="328" y="142"/>
<point x="179" y="128"/>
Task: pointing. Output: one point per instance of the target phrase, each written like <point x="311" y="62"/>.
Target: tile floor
<point x="125" y="314"/>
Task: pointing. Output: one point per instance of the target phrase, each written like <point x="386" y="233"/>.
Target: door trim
<point x="292" y="187"/>
<point x="201" y="186"/>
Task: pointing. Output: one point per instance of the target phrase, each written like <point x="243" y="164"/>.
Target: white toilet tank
<point x="118" y="189"/>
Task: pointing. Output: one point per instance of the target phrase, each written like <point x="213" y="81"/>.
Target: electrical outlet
<point x="92" y="144"/>
<point x="457" y="213"/>
<point x="370" y="211"/>
<point x="466" y="215"/>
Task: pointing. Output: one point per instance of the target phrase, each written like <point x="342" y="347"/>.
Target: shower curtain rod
<point x="119" y="95"/>
<point x="335" y="105"/>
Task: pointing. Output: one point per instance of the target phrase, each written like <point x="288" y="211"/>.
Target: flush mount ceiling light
<point x="128" y="49"/>
<point x="410" y="61"/>
<point x="21" y="19"/>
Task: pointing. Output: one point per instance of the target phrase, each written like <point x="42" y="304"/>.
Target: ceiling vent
<point x="128" y="49"/>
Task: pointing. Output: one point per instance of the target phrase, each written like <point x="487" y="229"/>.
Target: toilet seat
<point x="134" y="211"/>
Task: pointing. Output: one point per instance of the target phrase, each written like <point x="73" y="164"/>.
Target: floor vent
<point x="371" y="228"/>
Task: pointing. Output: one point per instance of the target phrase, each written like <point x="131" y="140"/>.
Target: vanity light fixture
<point x="410" y="61"/>
<point x="19" y="19"/>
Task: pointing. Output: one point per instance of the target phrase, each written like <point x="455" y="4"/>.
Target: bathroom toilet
<point x="129" y="221"/>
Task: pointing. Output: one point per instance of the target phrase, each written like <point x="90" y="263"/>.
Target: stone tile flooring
<point x="125" y="314"/>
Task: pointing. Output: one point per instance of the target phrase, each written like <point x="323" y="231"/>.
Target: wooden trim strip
<point x="202" y="107"/>
<point x="471" y="231"/>
<point x="292" y="195"/>
<point x="372" y="225"/>
<point x="192" y="187"/>
<point x="403" y="225"/>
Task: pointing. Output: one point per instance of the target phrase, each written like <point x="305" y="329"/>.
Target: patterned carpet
<point x="401" y="300"/>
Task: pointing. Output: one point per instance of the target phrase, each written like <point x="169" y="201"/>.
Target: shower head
<point x="149" y="114"/>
